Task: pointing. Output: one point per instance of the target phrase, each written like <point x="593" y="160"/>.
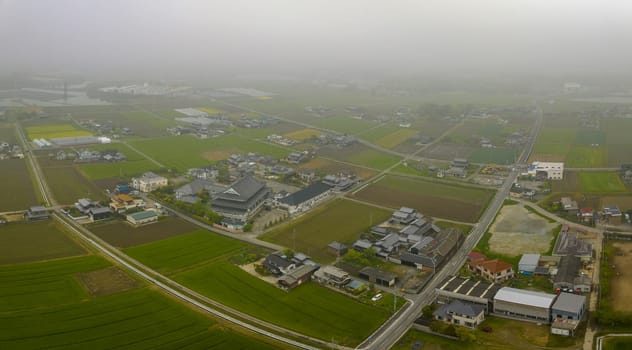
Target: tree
<point x="428" y="310"/>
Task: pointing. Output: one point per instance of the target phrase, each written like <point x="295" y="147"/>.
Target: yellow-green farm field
<point x="55" y="131"/>
<point x="184" y="152"/>
<point x="45" y="305"/>
<point x="303" y="134"/>
<point x="431" y="198"/>
<point x="393" y="139"/>
<point x="342" y="220"/>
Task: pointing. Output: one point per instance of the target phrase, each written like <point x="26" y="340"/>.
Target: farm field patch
<point x="448" y="151"/>
<point x="40" y="284"/>
<point x="395" y="138"/>
<point x="590" y="137"/>
<point x="360" y="155"/>
<point x="125" y="169"/>
<point x="431" y="198"/>
<point x="309" y="309"/>
<point x="68" y="185"/>
<point x="601" y="182"/>
<point x="617" y="131"/>
<point x="586" y="157"/>
<point x="54" y="131"/>
<point x="175" y="253"/>
<point x="106" y="281"/>
<point x="503" y="156"/>
<point x="617" y="343"/>
<point x="326" y="166"/>
<point x="15" y="179"/>
<point x="183" y="152"/>
<point x="621" y="281"/>
<point x="303" y="134"/>
<point x="568" y="185"/>
<point x="346" y="125"/>
<point x="624" y="202"/>
<point x="43" y="240"/>
<point x="140" y="319"/>
<point x="341" y="220"/>
<point x="619" y="154"/>
<point x="517" y="230"/>
<point x="123" y="235"/>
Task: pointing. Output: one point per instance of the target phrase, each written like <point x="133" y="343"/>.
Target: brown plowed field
<point x="427" y="204"/>
<point x="122" y="235"/>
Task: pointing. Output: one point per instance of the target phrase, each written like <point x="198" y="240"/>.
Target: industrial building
<point x="524" y="304"/>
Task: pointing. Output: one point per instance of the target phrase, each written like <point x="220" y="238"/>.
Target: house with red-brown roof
<point x="494" y="270"/>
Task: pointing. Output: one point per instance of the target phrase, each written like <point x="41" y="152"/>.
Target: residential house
<point x="568" y="243"/>
<point x="278" y="264"/>
<point x="461" y="314"/>
<point x="297" y="276"/>
<point x="337" y="248"/>
<point x="189" y="192"/>
<point x="431" y="251"/>
<point x="382" y="278"/>
<point x="569" y="205"/>
<point x="36" y="213"/>
<point x="204" y="173"/>
<point x="296" y="157"/>
<point x="388" y="245"/>
<point x="332" y="275"/>
<point x="405" y="216"/>
<point x="85" y="204"/>
<point x="306" y="198"/>
<point x="307" y="175"/>
<point x="100" y="213"/>
<point x="142" y="217"/>
<point x="362" y="245"/>
<point x="240" y="202"/>
<point x="339" y="182"/>
<point x="494" y="270"/>
<point x="587" y="215"/>
<point x="612" y="216"/>
<point x="121" y="203"/>
<point x="149" y="182"/>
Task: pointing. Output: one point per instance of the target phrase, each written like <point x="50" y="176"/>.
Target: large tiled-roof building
<point x="240" y="202"/>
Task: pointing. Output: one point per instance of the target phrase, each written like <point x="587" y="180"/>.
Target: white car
<point x="377" y="297"/>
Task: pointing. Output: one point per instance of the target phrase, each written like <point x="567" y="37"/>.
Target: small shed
<point x="380" y="277"/>
<point x="528" y="263"/>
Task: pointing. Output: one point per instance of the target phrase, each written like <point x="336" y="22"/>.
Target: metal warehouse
<point x="524" y="304"/>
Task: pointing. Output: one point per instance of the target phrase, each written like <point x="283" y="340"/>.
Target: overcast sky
<point x="180" y="37"/>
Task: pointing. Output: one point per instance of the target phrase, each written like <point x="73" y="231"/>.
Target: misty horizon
<point x="185" y="39"/>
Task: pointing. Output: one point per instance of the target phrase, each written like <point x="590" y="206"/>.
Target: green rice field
<point x="341" y="220"/>
<point x="42" y="240"/>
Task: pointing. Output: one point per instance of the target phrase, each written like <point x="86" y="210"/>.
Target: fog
<point x="180" y="39"/>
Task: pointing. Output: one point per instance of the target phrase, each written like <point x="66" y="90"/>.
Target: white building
<point x="149" y="182"/>
<point x="552" y="170"/>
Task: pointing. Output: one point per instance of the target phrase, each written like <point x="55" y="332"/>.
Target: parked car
<point x="487" y="329"/>
<point x="377" y="297"/>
